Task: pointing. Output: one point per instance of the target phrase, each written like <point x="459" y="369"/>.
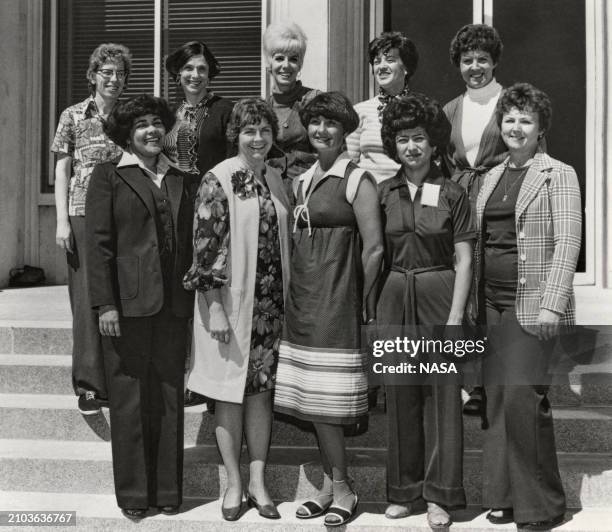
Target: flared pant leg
<point x="520" y="469"/>
<point x="144" y="370"/>
<point x="425" y="450"/>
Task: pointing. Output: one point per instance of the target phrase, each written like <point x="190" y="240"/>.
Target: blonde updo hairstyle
<point x="286" y="37"/>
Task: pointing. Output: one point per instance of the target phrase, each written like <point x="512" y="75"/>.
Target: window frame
<point x="595" y="153"/>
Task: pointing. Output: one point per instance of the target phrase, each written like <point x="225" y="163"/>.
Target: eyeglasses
<point x="107" y="73"/>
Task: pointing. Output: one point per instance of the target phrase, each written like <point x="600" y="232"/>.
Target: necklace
<point x="384" y="98"/>
<point x="517" y="180"/>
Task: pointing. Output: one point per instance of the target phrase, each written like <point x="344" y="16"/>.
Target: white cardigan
<point x="219" y="370"/>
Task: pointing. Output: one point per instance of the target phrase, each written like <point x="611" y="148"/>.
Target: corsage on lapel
<point x="243" y="184"/>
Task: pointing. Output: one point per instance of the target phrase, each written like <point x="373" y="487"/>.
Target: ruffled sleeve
<point x="211" y="237"/>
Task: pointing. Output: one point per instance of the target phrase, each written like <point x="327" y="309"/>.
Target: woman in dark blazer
<point x="138" y="226"/>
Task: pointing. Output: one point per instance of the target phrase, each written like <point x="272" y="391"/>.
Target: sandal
<point x="314" y="507"/>
<point x="339" y="515"/>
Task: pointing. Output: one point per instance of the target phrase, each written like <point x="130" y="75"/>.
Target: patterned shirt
<point x="181" y="142"/>
<point x="80" y="135"/>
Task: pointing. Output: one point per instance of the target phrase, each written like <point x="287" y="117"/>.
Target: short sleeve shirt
<point x="80" y="135"/>
<point x="421" y="236"/>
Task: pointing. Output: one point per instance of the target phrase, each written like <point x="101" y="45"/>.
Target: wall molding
<point x="33" y="110"/>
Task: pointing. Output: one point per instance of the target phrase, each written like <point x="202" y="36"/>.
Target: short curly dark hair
<point x="332" y="105"/>
<point x="177" y="59"/>
<point x="476" y="37"/>
<point x="412" y="111"/>
<point x="119" y="124"/>
<point x="395" y="39"/>
<point x="249" y="111"/>
<point x="525" y="97"/>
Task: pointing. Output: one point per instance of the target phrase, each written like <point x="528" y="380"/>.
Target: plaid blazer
<point x="548" y="228"/>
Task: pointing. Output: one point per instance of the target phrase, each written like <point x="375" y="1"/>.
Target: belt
<point x="409" y="310"/>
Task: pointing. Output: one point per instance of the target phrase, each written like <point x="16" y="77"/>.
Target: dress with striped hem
<point x="321" y="374"/>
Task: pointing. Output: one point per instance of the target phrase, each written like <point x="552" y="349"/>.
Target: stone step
<point x="100" y="512"/>
<point x="292" y="472"/>
<point x="33" y="338"/>
<point x="55" y="417"/>
<point x="45" y="373"/>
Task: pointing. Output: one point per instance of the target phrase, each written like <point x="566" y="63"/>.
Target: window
<point x="230" y="28"/>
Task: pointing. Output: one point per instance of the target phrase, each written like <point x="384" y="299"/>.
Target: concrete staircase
<point x="53" y="458"/>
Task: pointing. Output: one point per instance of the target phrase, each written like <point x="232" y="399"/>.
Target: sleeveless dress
<point x="321" y="373"/>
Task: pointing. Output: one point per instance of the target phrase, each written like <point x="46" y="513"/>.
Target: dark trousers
<point x="520" y="469"/>
<point x="425" y="454"/>
<point x="87" y="358"/>
<point x="145" y="369"/>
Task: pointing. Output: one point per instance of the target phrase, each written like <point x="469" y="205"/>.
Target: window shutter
<point x="84" y="24"/>
<point x="232" y="31"/>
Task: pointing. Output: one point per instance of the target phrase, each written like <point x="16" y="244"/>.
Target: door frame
<point x="595" y="157"/>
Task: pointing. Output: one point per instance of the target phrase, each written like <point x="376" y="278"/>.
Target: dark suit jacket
<point x="124" y="267"/>
<point x="212" y="145"/>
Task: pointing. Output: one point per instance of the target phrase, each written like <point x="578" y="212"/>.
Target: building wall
<point x="338" y="32"/>
<point x="13" y="90"/>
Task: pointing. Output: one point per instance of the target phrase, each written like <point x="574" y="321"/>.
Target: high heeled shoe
<point x="268" y="511"/>
<point x="232" y="513"/>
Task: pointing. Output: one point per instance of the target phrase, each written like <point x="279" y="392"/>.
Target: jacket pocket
<point x="128" y="276"/>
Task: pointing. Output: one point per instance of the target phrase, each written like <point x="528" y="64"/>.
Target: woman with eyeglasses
<point x="80" y="144"/>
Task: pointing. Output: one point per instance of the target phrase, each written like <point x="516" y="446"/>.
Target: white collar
<point x="131" y="159"/>
<point x="337" y="169"/>
<point x="486" y="93"/>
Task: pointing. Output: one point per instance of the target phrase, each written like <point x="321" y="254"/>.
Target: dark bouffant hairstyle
<point x="395" y="39"/>
<point x="408" y="112"/>
<point x="476" y="37"/>
<point x="121" y="120"/>
<point x="525" y="97"/>
<point x="249" y="111"/>
<point x="334" y="106"/>
<point x="177" y="59"/>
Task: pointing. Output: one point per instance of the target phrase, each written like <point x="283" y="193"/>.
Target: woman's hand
<point x="63" y="235"/>
<point x="219" y="324"/>
<point x="109" y="323"/>
<point x="548" y="322"/>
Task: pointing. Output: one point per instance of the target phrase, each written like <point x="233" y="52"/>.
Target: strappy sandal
<point x="338" y="515"/>
<point x="313" y="508"/>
